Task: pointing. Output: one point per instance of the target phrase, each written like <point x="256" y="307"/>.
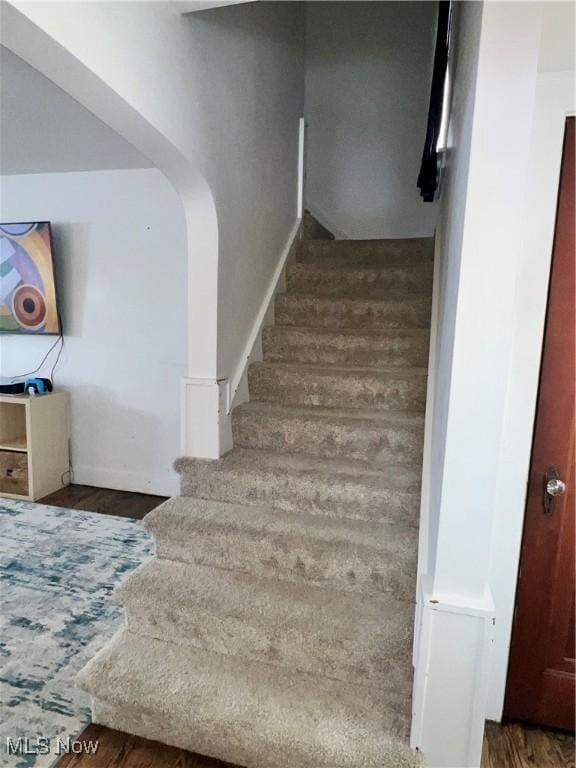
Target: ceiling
<point x="44" y="130"/>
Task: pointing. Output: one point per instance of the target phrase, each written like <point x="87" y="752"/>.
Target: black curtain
<point x="428" y="176"/>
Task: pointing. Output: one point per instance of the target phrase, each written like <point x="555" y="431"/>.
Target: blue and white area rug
<point x="58" y="568"/>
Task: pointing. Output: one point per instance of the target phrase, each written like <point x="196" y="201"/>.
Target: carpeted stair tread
<point x="372" y="253"/>
<point x="245" y="712"/>
<point x="392" y="312"/>
<point x="353" y="638"/>
<point x="353" y="282"/>
<point x="273" y="627"/>
<point x="402" y="477"/>
<point x="368" y="348"/>
<point x="308" y="483"/>
<point x="300" y="384"/>
<point x="374" y="436"/>
<point x="338" y="553"/>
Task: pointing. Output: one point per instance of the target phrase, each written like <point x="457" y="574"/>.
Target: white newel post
<point x="453" y="643"/>
<point x="206" y="430"/>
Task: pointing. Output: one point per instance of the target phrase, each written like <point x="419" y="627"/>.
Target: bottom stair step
<point x="353" y="638"/>
<point x="245" y="712"/>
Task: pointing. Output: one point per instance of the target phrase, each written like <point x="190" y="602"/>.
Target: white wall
<point x="490" y="170"/>
<point x="483" y="293"/>
<point x="494" y="245"/>
<point x="213" y="101"/>
<point x="452" y="629"/>
<point x="449" y="237"/>
<point x="368" y="74"/>
<point x="120" y="251"/>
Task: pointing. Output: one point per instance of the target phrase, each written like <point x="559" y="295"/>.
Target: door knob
<point x="553" y="486"/>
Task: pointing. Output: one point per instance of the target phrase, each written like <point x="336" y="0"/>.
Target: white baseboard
<point x="424" y="527"/>
<point x="327" y="223"/>
<point x="301" y="168"/>
<point x="237" y="390"/>
<point x="454" y="637"/>
<point x="167" y="484"/>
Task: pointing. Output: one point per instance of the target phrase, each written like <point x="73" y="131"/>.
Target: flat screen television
<point x="27" y="287"/>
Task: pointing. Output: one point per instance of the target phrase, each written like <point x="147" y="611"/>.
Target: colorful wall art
<point x="27" y="289"/>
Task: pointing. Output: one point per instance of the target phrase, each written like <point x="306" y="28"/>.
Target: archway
<point x="25" y="33"/>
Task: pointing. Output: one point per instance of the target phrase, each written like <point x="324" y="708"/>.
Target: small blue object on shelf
<point x="37" y="386"/>
<point x="30" y="386"/>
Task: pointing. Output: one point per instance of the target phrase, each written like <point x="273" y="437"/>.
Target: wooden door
<point x="540" y="686"/>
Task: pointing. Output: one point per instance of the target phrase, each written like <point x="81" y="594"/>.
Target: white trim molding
<point x="301" y="168"/>
<point x="424" y="529"/>
<point x="237" y="390"/>
<point x="160" y="484"/>
<point x="453" y="641"/>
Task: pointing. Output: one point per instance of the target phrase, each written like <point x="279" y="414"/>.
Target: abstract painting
<point x="27" y="289"/>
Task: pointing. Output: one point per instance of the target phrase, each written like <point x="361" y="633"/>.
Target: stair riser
<point x="413" y="312"/>
<point x="363" y="441"/>
<point x="285" y="344"/>
<point x="388" y="567"/>
<point x="381" y="391"/>
<point x="194" y="733"/>
<point x="309" y="281"/>
<point x="310" y="668"/>
<point x="357" y="659"/>
<point x="367" y="253"/>
<point x="307" y="494"/>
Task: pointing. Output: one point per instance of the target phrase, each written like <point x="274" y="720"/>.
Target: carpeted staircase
<point x="273" y="629"/>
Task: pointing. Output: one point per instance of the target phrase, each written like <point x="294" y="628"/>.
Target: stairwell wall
<point x="368" y="74"/>
<point x="249" y="61"/>
<point x="449" y="239"/>
<point x="494" y="244"/>
<point x="213" y="100"/>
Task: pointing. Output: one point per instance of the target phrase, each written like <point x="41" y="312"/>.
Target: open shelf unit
<point x="34" y="434"/>
<point x="18" y="443"/>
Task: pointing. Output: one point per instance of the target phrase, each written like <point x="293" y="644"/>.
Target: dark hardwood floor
<point x="104" y="501"/>
<point x="517" y="745"/>
<point x="511" y="745"/>
<point x="119" y="750"/>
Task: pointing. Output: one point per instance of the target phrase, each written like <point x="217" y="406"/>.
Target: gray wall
<point x="467" y="25"/>
<point x="368" y="72"/>
<point x="249" y="69"/>
<point x="45" y="130"/>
